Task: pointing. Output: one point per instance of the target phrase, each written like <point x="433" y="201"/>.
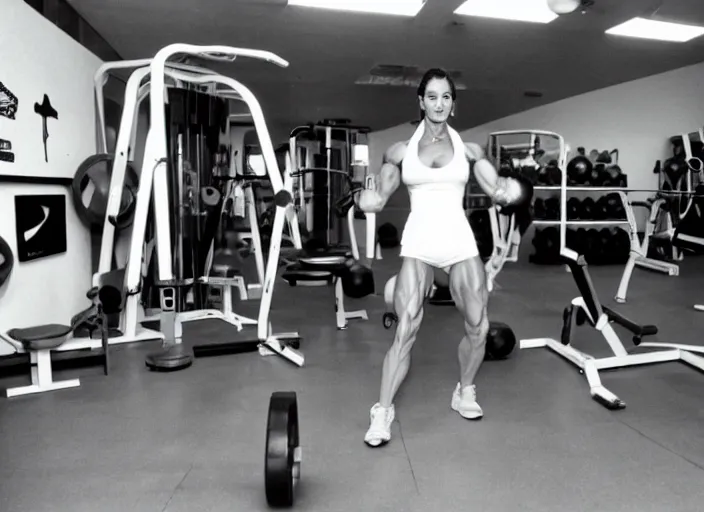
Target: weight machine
<point x="130" y="329"/>
<point x="154" y="184"/>
<point x="664" y="226"/>
<point x="523" y="156"/>
<point x="319" y="153"/>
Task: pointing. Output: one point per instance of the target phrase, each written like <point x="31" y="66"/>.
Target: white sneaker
<point x="465" y="402"/>
<point x="381" y="419"/>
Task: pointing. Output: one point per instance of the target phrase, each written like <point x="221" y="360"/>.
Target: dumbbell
<point x="621" y="243"/>
<point x="573" y="208"/>
<point x="539" y="208"/>
<point x="549" y="175"/>
<point x="614" y="207"/>
<point x="600" y="210"/>
<point x="605" y="246"/>
<point x="586" y="208"/>
<point x="547" y="246"/>
<point x="552" y="208"/>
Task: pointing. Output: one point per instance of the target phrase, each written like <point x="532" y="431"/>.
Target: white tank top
<point x="436" y="191"/>
<point x="437" y="230"/>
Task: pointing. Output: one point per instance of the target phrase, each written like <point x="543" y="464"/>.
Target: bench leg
<point x="341" y="315"/>
<point x="42" y="377"/>
<point x="227" y="308"/>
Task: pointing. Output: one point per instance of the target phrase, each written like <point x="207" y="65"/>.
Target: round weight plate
<point x="7" y="261"/>
<point x="91" y="189"/>
<point x="172" y="359"/>
<point x="389" y="320"/>
<point x="210" y="196"/>
<point x="283" y="453"/>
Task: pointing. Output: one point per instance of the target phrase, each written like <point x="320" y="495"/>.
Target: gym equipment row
<point x="120" y="203"/>
<point x="89" y="329"/>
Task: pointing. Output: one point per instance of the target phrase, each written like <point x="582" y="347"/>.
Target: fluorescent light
<point x="659" y="30"/>
<point x="393" y="7"/>
<point x="535" y="11"/>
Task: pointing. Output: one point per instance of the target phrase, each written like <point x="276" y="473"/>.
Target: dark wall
<point x="60" y="13"/>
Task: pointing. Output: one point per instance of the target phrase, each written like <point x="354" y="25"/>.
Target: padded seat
<point x="298" y="272"/>
<point x="333" y="250"/>
<point x="333" y="264"/>
<point x="41" y="337"/>
<point x="330" y="259"/>
<point x="40" y="340"/>
<point x="222" y="270"/>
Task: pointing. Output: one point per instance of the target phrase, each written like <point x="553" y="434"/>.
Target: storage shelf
<point x="583" y="189"/>
<point x="581" y="222"/>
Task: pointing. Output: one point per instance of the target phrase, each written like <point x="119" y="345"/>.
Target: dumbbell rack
<point x="494" y="149"/>
<point x="564" y="222"/>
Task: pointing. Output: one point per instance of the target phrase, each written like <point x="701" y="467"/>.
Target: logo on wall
<point x="8" y="108"/>
<point x="8" y="102"/>
<point x="41" y="226"/>
<point x="46" y="111"/>
<point x="6" y="154"/>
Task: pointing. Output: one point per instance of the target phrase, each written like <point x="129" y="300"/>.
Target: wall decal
<point x="45" y="110"/>
<point x="6" y="154"/>
<point x="8" y="102"/>
<point x="41" y="226"/>
<point x="8" y="108"/>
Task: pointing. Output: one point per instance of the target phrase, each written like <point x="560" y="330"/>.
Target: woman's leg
<point x="412" y="286"/>
<point x="469" y="291"/>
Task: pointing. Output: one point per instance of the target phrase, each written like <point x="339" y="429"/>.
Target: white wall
<point x="38" y="58"/>
<point x="636" y="117"/>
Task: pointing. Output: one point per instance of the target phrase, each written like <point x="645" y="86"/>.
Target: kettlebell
<point x="500" y="341"/>
<point x="358" y="281"/>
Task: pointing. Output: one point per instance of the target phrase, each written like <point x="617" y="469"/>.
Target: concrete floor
<point x="194" y="440"/>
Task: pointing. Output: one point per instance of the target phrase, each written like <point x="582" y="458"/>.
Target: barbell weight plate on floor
<point x="282" y="467"/>
<point x="96" y="172"/>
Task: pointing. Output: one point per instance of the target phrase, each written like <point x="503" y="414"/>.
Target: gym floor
<point x="194" y="440"/>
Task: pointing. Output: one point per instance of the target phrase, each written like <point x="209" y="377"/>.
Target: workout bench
<point x="336" y="266"/>
<point x="587" y="308"/>
<point x="39" y="342"/>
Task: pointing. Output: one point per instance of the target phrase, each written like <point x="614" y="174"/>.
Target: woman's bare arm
<point x="387" y="181"/>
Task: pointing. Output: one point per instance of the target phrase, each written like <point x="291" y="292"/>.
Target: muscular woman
<point x="435" y="167"/>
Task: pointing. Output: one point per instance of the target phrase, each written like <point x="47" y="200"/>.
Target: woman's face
<point x="437" y="102"/>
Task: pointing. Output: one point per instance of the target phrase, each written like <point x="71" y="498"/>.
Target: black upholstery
<point x="581" y="277"/>
<point x="41" y="337"/>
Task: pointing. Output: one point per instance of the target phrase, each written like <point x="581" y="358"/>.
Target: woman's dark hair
<point x="436" y="73"/>
<point x="439" y="74"/>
